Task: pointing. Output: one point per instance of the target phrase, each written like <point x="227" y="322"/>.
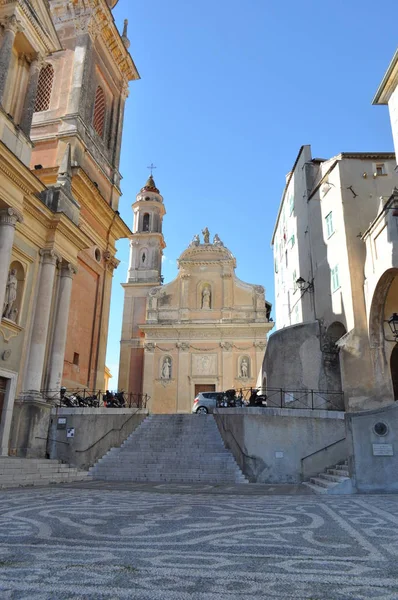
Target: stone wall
<point x="96" y="430"/>
<point x="373" y="460"/>
<point x="273" y="445"/>
<point x="294" y="360"/>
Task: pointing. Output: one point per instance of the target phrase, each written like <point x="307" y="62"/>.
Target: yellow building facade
<point x="206" y="330"/>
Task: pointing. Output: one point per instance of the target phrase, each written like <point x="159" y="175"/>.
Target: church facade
<point x="205" y="330"/>
<point x="64" y="76"/>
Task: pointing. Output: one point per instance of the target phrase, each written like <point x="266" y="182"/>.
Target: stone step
<point x="316" y="488"/>
<point x="178" y="448"/>
<point x="331" y="477"/>
<point x="338" y="472"/>
<point x="322" y="482"/>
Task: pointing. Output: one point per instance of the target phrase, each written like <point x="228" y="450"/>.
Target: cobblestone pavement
<point x="93" y="543"/>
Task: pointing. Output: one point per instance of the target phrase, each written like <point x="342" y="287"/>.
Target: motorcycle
<point x="114" y="400"/>
<point x="257" y="399"/>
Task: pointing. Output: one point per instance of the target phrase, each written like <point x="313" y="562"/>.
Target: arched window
<point x="145" y="222"/>
<point x="99" y="111"/>
<point x="44" y="88"/>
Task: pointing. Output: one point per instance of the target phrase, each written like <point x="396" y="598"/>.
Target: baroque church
<point x="64" y="76"/>
<point x="204" y="331"/>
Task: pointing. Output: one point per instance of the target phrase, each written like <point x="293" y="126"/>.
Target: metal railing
<point x="285" y="398"/>
<point x="86" y="398"/>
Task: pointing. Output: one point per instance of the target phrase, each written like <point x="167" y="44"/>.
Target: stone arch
<point x="244" y="367"/>
<point x="205" y="295"/>
<point x="146" y="222"/>
<point x="166" y="368"/>
<point x="13" y="311"/>
<point x="384" y="302"/>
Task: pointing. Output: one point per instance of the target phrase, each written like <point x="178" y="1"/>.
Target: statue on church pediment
<point x="195" y="241"/>
<point x="206" y="235"/>
<point x="217" y="241"/>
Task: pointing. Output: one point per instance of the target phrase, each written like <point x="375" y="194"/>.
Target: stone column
<point x="60" y="327"/>
<point x="34" y="371"/>
<point x="8" y="220"/>
<point x="30" y="96"/>
<point x="11" y="27"/>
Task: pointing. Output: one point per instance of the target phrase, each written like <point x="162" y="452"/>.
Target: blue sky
<point x="229" y="91"/>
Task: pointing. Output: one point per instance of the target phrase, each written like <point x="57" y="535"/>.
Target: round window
<point x="380" y="428"/>
<point x="97" y="255"/>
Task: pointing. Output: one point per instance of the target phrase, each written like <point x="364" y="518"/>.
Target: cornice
<point x="35" y="22"/>
<point x="18" y="172"/>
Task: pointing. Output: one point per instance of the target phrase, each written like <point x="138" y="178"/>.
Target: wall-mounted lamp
<point x="393" y="324"/>
<point x="305" y="286"/>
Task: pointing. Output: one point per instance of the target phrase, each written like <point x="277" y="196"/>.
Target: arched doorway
<point x="394" y="370"/>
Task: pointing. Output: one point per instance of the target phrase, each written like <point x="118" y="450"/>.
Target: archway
<point x="382" y="345"/>
<point x="394" y="371"/>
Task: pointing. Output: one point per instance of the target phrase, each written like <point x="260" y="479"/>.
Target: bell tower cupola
<point x="147" y="242"/>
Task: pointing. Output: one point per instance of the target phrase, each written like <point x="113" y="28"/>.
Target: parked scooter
<point x="114" y="400"/>
<point x="257" y="399"/>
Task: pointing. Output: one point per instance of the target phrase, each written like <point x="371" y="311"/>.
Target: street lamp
<point x="393" y="323"/>
<point x="304" y="285"/>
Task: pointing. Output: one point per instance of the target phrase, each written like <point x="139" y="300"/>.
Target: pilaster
<point x="35" y="366"/>
<point x="11" y="27"/>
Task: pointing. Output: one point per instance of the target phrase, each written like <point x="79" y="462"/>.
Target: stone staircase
<point x="22" y="472"/>
<point x="171" y="449"/>
<point x="335" y="480"/>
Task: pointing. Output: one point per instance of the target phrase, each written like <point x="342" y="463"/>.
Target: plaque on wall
<point x="383" y="450"/>
<point x="204" y="364"/>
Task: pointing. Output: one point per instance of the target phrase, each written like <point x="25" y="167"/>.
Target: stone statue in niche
<point x="244" y="368"/>
<point x="166" y="368"/>
<point x="206" y="298"/>
<point x="217" y="241"/>
<point x="206" y="235"/>
<point x="11" y="296"/>
<point x="195" y="241"/>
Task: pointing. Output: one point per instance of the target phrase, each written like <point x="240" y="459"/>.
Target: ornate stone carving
<point x="260" y="345"/>
<point x="49" y="256"/>
<point x="149" y="346"/>
<point x="184" y="346"/>
<point x="68" y="270"/>
<point x="204" y="364"/>
<point x="227" y="346"/>
<point x="10" y="216"/>
<point x="166" y="368"/>
<point x="195" y="241"/>
<point x="206" y="235"/>
<point x="12" y="24"/>
<point x="217" y="241"/>
<point x="206" y="298"/>
<point x="10" y="296"/>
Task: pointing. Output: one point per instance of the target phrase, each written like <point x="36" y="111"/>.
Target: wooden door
<point x="204" y="387"/>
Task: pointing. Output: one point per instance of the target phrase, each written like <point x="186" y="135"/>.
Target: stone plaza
<point x="127" y="541"/>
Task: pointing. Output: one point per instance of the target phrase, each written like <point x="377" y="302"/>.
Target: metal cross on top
<point x="151" y="167"/>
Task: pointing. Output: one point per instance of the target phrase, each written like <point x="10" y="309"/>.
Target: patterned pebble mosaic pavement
<point x="93" y="543"/>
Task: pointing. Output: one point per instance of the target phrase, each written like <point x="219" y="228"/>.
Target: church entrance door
<point x="394" y="371"/>
<point x="204" y="387"/>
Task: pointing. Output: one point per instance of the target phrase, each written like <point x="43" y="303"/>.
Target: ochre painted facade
<point x="60" y="139"/>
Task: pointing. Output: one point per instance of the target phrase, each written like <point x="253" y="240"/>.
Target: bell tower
<point x="147" y="242"/>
